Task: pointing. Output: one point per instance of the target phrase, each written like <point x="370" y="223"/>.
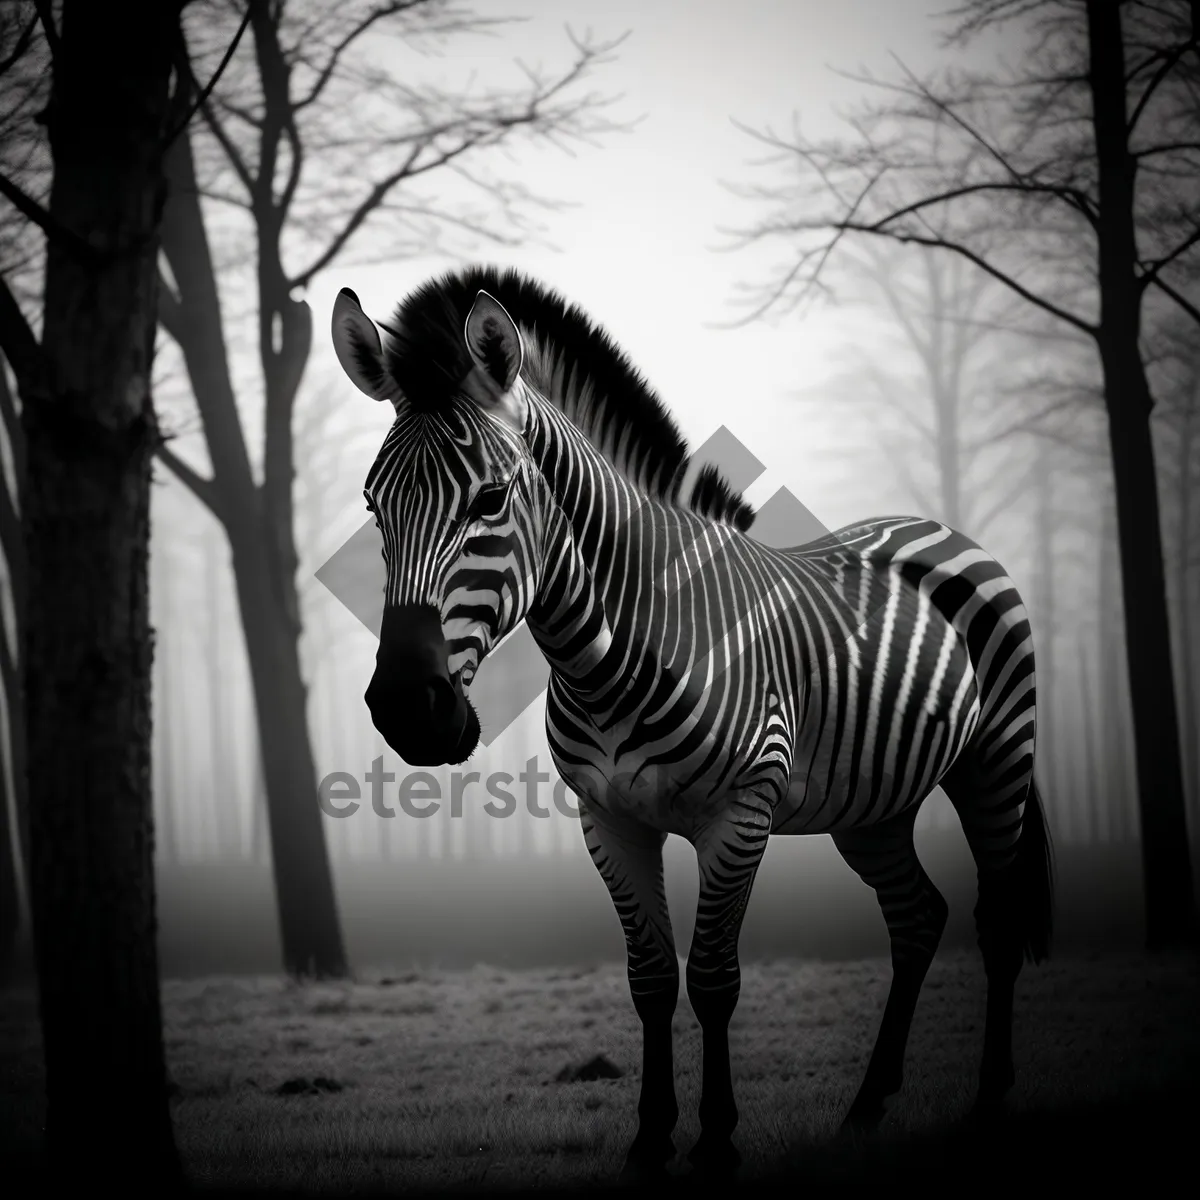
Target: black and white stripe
<point x="710" y="686"/>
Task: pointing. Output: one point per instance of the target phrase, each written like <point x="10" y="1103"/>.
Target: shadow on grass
<point x="1136" y="1139"/>
<point x="1141" y="1140"/>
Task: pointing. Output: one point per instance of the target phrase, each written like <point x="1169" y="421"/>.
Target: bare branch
<point x="945" y="244"/>
<point x="1165" y="148"/>
<point x="1005" y="500"/>
<point x="170" y="311"/>
<point x="46" y="16"/>
<point x="22" y="44"/>
<point x="1153" y="268"/>
<point x="18" y="343"/>
<point x="1180" y="299"/>
<point x="205" y="490"/>
<point x="326" y="72"/>
<point x="232" y="153"/>
<point x="1020" y="181"/>
<point x="10" y="423"/>
<point x="1170" y="58"/>
<point x="28" y="207"/>
<point x="206" y="91"/>
<point x="1033" y="423"/>
<point x="899" y="461"/>
<point x="470" y="131"/>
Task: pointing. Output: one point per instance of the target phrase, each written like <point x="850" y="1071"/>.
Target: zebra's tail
<point x="1034" y="882"/>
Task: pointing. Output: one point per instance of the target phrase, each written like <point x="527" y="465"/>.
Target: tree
<point x="1176" y="369"/>
<point x="13" y="804"/>
<point x="304" y="146"/>
<point x="938" y="381"/>
<point x="89" y="434"/>
<point x="1067" y="178"/>
<point x="18" y="52"/>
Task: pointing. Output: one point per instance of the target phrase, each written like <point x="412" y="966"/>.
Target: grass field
<point x="442" y="1080"/>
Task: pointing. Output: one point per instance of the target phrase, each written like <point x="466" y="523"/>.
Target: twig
<point x="212" y="83"/>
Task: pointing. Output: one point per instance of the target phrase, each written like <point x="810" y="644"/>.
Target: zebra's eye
<point x="489" y="502"/>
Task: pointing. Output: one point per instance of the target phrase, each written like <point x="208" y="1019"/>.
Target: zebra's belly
<point x="671" y="776"/>
<point x="826" y="806"/>
<point x="664" y="796"/>
<point x="856" y="776"/>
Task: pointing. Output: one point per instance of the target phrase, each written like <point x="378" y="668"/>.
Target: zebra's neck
<point x="594" y="555"/>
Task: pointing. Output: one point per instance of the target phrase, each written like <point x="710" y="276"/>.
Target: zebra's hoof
<point x="637" y="1174"/>
<point x="646" y="1162"/>
<point x="994" y="1085"/>
<point x="863" y="1117"/>
<point x="714" y="1156"/>
<point x="988" y="1108"/>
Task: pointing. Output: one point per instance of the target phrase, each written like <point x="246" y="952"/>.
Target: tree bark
<point x="309" y="930"/>
<point x="258" y="523"/>
<point x="1183" y="580"/>
<point x="1114" y="683"/>
<point x="1050" y="752"/>
<point x="90" y="434"/>
<point x="221" y="769"/>
<point x="1093" y="818"/>
<point x="10" y="893"/>
<point x="260" y="849"/>
<point x="1166" y="857"/>
<point x="165" y="840"/>
<point x="14" y="839"/>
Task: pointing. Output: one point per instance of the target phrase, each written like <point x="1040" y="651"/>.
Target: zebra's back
<point x="931" y="634"/>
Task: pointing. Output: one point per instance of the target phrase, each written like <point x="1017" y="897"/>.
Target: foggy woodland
<point x="975" y="230"/>
<point x="1009" y="236"/>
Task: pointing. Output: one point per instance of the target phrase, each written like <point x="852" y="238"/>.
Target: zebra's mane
<point x="573" y="363"/>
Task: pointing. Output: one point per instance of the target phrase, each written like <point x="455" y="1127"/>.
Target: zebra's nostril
<point x="442" y="701"/>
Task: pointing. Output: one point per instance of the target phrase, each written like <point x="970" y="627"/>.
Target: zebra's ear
<point x="494" y="342"/>
<point x="359" y="349"/>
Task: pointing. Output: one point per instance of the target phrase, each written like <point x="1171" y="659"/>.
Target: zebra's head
<point x="459" y="504"/>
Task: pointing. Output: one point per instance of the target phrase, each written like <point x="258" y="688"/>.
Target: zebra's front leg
<point x="728" y="853"/>
<point x="629" y="859"/>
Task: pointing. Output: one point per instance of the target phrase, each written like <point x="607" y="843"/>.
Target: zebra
<point x="701" y="683"/>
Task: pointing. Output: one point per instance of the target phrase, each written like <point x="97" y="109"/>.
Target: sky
<point x="638" y="249"/>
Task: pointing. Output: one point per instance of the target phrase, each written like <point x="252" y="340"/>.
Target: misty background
<point x="916" y="391"/>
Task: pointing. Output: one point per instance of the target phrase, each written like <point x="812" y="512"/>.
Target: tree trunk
<point x="12" y="799"/>
<point x="1183" y="578"/>
<point x="260" y="846"/>
<point x="167" y="840"/>
<point x="264" y="567"/>
<point x="221" y="770"/>
<point x="308" y="922"/>
<point x="10" y="893"/>
<point x="1093" y="819"/>
<point x="1166" y="857"/>
<point x="1048" y="749"/>
<point x="90" y="434"/>
<point x="1114" y="685"/>
<point x="14" y="840"/>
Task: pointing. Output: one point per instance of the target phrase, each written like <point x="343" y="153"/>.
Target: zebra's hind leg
<point x="1005" y="829"/>
<point x="885" y="858"/>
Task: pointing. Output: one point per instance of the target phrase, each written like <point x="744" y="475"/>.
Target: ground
<point x="435" y="1080"/>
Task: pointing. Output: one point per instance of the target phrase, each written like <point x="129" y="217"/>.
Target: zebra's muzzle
<point x="420" y="710"/>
